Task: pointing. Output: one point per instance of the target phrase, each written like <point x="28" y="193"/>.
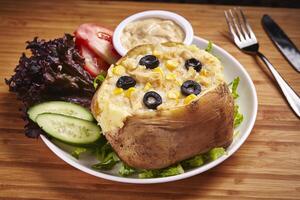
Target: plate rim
<point x="185" y="175"/>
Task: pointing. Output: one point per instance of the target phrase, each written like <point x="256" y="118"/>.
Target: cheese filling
<point x="116" y="104"/>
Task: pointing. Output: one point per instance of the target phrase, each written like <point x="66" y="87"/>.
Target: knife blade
<point x="282" y="41"/>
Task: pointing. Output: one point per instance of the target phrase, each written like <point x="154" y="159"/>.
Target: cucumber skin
<point x="89" y="144"/>
<point x="32" y="110"/>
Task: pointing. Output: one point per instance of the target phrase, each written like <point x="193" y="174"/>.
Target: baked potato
<point x="161" y="104"/>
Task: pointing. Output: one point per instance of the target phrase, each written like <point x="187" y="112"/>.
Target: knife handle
<point x="290" y="95"/>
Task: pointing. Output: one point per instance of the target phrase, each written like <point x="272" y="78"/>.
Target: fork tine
<point x="237" y="28"/>
<point x="247" y="25"/>
<point x="230" y="26"/>
<point x="241" y="23"/>
<point x="240" y="30"/>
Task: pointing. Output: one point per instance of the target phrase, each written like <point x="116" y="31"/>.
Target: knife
<point x="282" y="41"/>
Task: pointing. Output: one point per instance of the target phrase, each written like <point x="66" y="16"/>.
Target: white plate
<point x="248" y="106"/>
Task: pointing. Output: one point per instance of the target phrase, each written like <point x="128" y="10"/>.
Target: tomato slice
<point x="93" y="64"/>
<point x="99" y="40"/>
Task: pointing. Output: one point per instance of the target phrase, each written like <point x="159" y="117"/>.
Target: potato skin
<point x="155" y="140"/>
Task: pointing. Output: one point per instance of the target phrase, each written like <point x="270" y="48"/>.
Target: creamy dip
<point x="151" y="31"/>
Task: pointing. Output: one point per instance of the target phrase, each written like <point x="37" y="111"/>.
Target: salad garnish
<point x="126" y="170"/>
<point x="54" y="71"/>
<point x="238" y="117"/>
<point x="77" y="151"/>
<point x="98" y="80"/>
<point x="234" y="86"/>
<point x="209" y="47"/>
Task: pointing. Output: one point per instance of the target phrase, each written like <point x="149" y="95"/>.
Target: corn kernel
<point x="171" y="76"/>
<point x="173" y="94"/>
<point x="204" y="72"/>
<point x="147" y="86"/>
<point x="156" y="53"/>
<point x="118" y="91"/>
<point x="189" y="98"/>
<point x="159" y="70"/>
<point x="171" y="64"/>
<point x="129" y="91"/>
<point x="118" y="70"/>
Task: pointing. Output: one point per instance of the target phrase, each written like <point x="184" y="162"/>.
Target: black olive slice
<point x="190" y="87"/>
<point x="125" y="82"/>
<point x="149" y="61"/>
<point x="152" y="100"/>
<point x="193" y="62"/>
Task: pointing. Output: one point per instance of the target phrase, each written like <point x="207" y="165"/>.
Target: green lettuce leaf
<point x="238" y="117"/>
<point x="169" y="171"/>
<point x="98" y="80"/>
<point x="148" y="173"/>
<point x="77" y="151"/>
<point x="105" y="152"/>
<point x="216" y="153"/>
<point x="107" y="157"/>
<point x="209" y="47"/>
<point x="193" y="162"/>
<point x="234" y="85"/>
<point x="106" y="165"/>
<point x="126" y="170"/>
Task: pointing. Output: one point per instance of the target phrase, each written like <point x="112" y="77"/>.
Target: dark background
<point x="265" y="3"/>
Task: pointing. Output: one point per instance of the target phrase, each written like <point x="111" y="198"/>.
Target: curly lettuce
<point x="98" y="80"/>
<point x="107" y="157"/>
<point x="234" y="85"/>
<point x="193" y="162"/>
<point x="78" y="151"/>
<point x="215" y="153"/>
<point x="209" y="47"/>
<point x="126" y="170"/>
<point x="52" y="71"/>
<point x="169" y="171"/>
<point x="238" y="117"/>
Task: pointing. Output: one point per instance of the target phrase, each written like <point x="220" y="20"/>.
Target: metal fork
<point x="244" y="38"/>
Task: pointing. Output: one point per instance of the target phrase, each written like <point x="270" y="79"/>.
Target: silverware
<point x="282" y="41"/>
<point x="244" y="38"/>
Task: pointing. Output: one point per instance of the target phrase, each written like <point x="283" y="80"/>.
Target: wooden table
<point x="267" y="166"/>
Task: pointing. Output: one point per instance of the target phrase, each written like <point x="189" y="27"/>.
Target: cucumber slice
<point x="69" y="129"/>
<point x="60" y="107"/>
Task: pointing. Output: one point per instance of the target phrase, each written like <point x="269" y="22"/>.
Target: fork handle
<point x="290" y="95"/>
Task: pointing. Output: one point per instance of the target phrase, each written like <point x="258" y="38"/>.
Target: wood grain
<point x="267" y="166"/>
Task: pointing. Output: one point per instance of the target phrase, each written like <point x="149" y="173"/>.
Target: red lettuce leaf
<point x="54" y="71"/>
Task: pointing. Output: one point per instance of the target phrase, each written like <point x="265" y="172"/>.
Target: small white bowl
<point x="181" y="21"/>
